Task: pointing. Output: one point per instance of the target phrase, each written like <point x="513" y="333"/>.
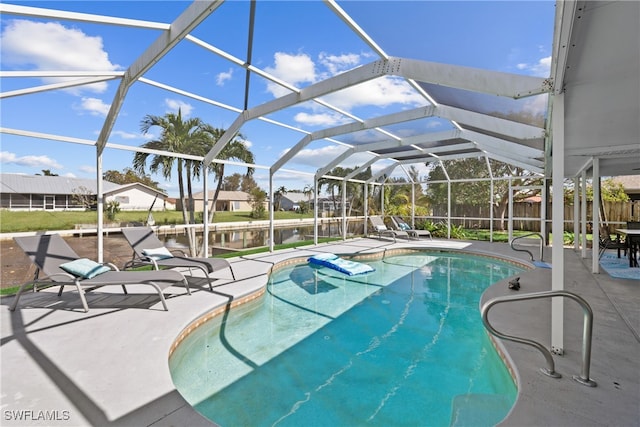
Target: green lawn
<point x="11" y="222"/>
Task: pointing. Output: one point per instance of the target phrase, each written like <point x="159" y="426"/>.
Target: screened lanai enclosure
<point x="391" y="117"/>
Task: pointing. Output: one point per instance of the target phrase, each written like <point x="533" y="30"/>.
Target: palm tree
<point x="236" y="149"/>
<point x="191" y="136"/>
<point x="277" y="195"/>
<point x="178" y="136"/>
<point x="308" y="192"/>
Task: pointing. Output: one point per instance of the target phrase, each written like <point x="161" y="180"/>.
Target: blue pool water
<point x="401" y="346"/>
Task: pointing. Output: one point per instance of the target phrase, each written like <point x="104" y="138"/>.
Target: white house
<point x="230" y="201"/>
<point x="291" y="201"/>
<point x="37" y="192"/>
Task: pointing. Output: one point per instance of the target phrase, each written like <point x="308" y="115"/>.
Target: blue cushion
<point x="84" y="268"/>
<point x="323" y="257"/>
<point x="348" y="267"/>
<point x="158" y="253"/>
<point x="404" y="226"/>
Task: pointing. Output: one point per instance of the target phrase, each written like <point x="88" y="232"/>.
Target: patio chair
<point x="401" y="224"/>
<point x="633" y="243"/>
<point x="148" y="249"/>
<point x="383" y="230"/>
<point x="607" y="242"/>
<point x="61" y="266"/>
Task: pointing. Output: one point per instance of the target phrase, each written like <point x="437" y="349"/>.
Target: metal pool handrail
<point x="586" y="332"/>
<point x="525" y="250"/>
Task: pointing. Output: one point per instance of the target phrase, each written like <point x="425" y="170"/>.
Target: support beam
<point x="271" y="215"/>
<point x="467" y="78"/>
<point x="583" y="211"/>
<point x="386" y="171"/>
<point x="100" y="207"/>
<point x="315" y="211"/>
<point x="344" y="210"/>
<point x="595" y="215"/>
<point x="576" y="213"/>
<point x="366" y="208"/>
<point x="55" y="86"/>
<point x="557" y="225"/>
<point x="36" y="12"/>
<point x="197" y="12"/>
<point x="491" y="143"/>
<point x="495" y="124"/>
<point x="205" y="210"/>
<point x="342" y="156"/>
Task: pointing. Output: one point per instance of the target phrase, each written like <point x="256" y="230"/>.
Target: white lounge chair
<point x="61" y="266"/>
<point x="401" y="224"/>
<point x="383" y="230"/>
<point x="148" y="249"/>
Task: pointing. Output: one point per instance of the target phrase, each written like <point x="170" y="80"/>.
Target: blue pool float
<point x="333" y="261"/>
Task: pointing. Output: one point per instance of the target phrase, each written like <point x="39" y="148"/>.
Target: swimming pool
<point x="401" y="346"/>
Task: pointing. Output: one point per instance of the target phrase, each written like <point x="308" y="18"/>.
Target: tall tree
<point x="194" y="137"/>
<point x="232" y="182"/>
<point x="181" y="137"/>
<point x="130" y="176"/>
<point x="248" y="184"/>
<point x="278" y="195"/>
<point x="236" y="149"/>
<point x="476" y="193"/>
<point x="354" y="189"/>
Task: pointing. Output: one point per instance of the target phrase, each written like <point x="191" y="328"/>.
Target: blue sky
<point x="299" y="42"/>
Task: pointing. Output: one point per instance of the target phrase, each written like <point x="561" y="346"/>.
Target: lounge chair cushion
<point x="404" y="226"/>
<point x="85" y="268"/>
<point x="158" y="253"/>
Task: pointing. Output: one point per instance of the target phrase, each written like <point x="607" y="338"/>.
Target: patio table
<point x="633" y="244"/>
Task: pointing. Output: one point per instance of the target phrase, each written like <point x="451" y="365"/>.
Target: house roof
<point x="631" y="183"/>
<point x="237" y="196"/>
<point x="41" y="184"/>
<point x="296" y="197"/>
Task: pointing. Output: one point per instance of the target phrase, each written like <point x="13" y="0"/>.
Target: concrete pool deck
<point x="63" y="367"/>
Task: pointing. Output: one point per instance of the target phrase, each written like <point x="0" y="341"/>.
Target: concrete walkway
<point x="109" y="367"/>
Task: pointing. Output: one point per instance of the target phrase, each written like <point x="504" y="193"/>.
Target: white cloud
<point x="223" y="77"/>
<point x="338" y="63"/>
<point x="69" y="175"/>
<point x="380" y="92"/>
<point x="542" y="68"/>
<point x="30" y="161"/>
<point x="94" y="106"/>
<point x="300" y="69"/>
<point x="174" y="104"/>
<point x="126" y="135"/>
<point x="321" y="119"/>
<point x="293" y="69"/>
<point x="52" y="46"/>
<point x="87" y="169"/>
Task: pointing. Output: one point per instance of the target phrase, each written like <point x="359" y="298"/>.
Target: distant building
<point x="230" y="201"/>
<point x="59" y="193"/>
<point x="631" y="185"/>
<point x="291" y="201"/>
